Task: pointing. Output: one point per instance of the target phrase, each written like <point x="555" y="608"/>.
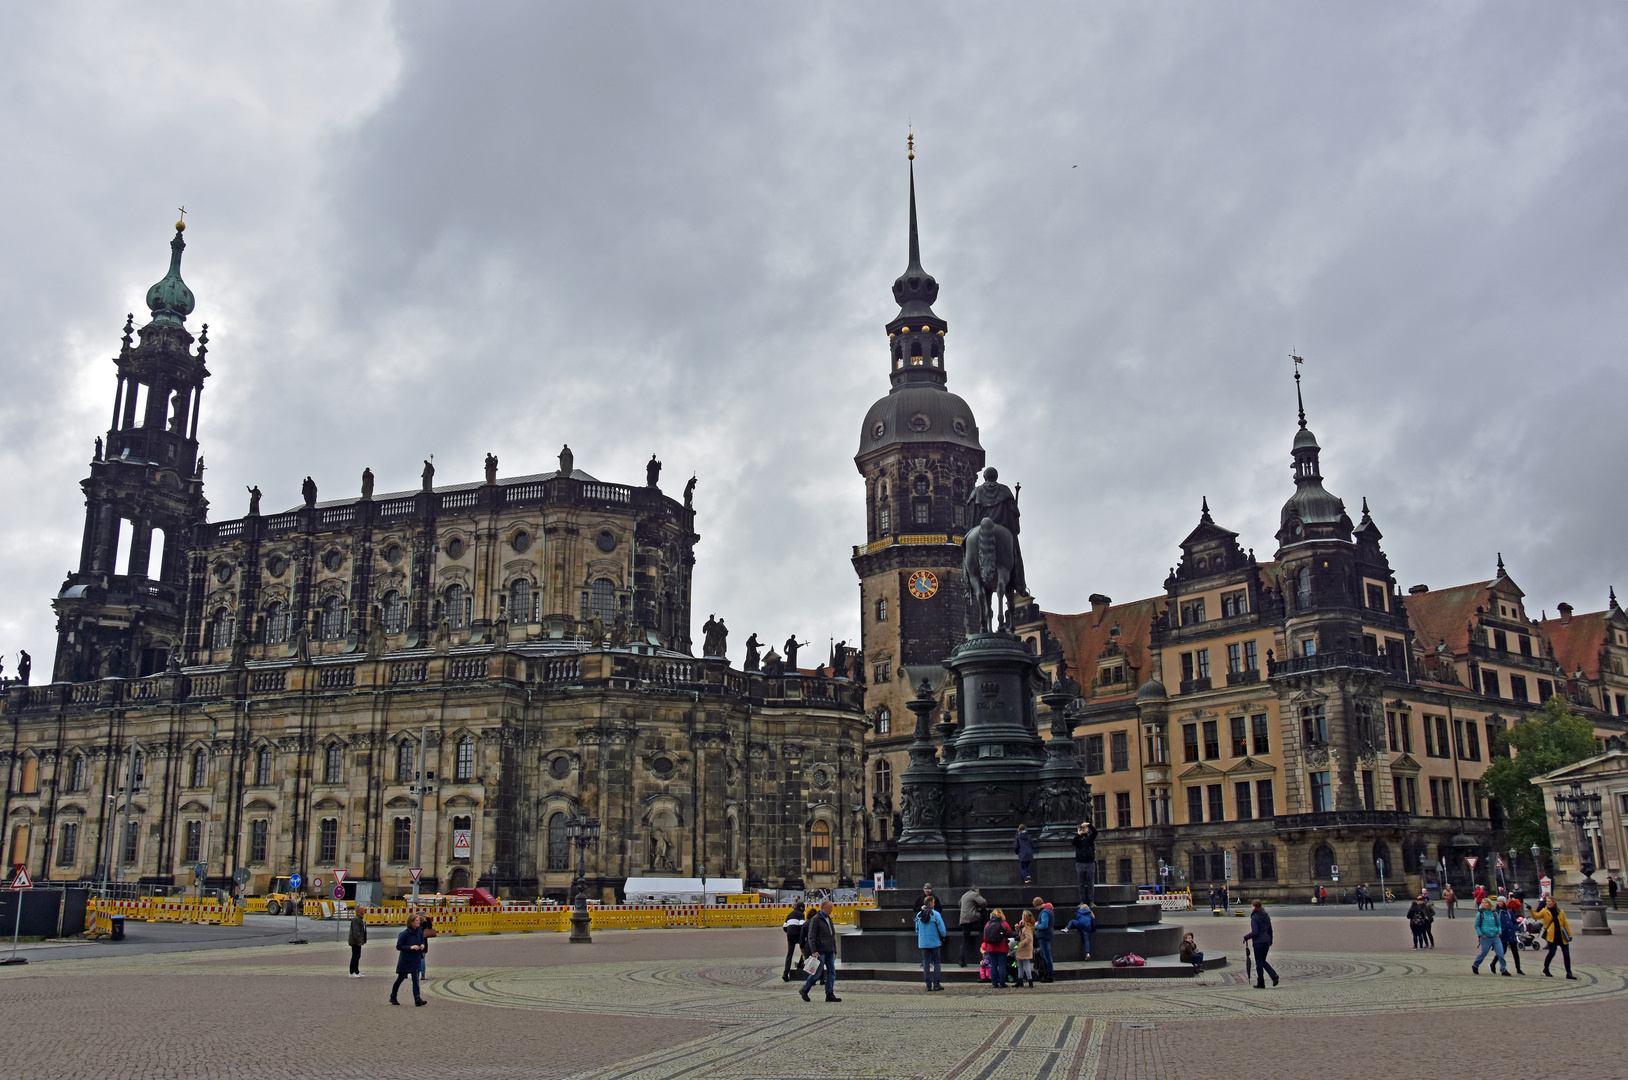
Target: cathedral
<point x="434" y="682"/>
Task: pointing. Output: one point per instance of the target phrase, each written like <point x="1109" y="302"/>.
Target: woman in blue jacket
<point x="1084" y="922"/>
<point x="1260" y="933"/>
<point x="930" y="935"/>
<point x="1510" y="933"/>
<point x="1491" y="935"/>
<point x="411" y="946"/>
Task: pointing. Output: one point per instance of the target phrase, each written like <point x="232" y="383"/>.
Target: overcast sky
<point x="672" y="229"/>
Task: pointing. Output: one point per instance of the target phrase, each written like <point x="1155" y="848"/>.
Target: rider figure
<point x="994" y="500"/>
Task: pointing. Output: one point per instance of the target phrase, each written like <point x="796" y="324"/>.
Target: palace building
<point x="440" y="679"/>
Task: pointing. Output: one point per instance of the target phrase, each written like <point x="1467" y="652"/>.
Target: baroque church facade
<point x="439" y="679"/>
<point x="1272" y="726"/>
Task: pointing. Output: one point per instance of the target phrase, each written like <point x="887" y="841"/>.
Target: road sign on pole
<point x="18" y="883"/>
<point x="294" y="881"/>
<point x="1472" y="860"/>
<point x="339" y="891"/>
<point x="415" y="871"/>
<point x="21" y="880"/>
<point x="339" y="877"/>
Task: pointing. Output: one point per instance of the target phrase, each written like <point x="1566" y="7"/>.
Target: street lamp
<point x="581" y="831"/>
<point x="1582" y="809"/>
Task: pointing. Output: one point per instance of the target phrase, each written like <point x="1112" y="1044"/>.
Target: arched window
<point x="404" y="761"/>
<point x="220" y="630"/>
<point x="520" y="601"/>
<point x="1382" y="854"/>
<point x="1303" y="587"/>
<point x="881" y="610"/>
<point x="559" y="844"/>
<point x="882" y="789"/>
<point x="200" y="768"/>
<point x="333" y="764"/>
<point x="332" y="624"/>
<point x="603" y="602"/>
<point x="276" y="624"/>
<point x="140" y="780"/>
<point x="454" y="608"/>
<point x="395" y="613"/>
<point x="884" y="720"/>
<point x="819" y="848"/>
<point x="1322" y="863"/>
<point x="465" y="767"/>
<point x="76" y="774"/>
<point x="31" y="775"/>
<point x="262" y="766"/>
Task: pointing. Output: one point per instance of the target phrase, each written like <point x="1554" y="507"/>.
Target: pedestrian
<point x="1190" y="953"/>
<point x="1215" y="901"/>
<point x="1023" y="845"/>
<point x="1611" y="888"/>
<point x="1557" y="932"/>
<point x="793" y="928"/>
<point x="1023" y="952"/>
<point x="930" y="936"/>
<point x="997" y="936"/>
<point x="1085" y="922"/>
<point x="1450" y="898"/>
<point x="1416" y="921"/>
<point x="358" y="938"/>
<point x="1085" y="862"/>
<point x="1490" y="934"/>
<point x="1260" y="933"/>
<point x="1480" y="894"/>
<point x="926" y="892"/>
<point x="822" y="939"/>
<point x="1509" y="930"/>
<point x="410" y="947"/>
<point x="1430" y="922"/>
<point x="1322" y="895"/>
<point x="1045" y="923"/>
<point x="974" y="912"/>
<point x="1226" y="897"/>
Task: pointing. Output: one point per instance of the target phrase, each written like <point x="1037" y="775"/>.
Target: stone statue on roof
<point x="994" y="500"/>
<point x="491" y="468"/>
<point x="308" y="490"/>
<point x="254" y="501"/>
<point x="367" y="483"/>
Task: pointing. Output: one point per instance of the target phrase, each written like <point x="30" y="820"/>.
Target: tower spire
<point x="915" y="241"/>
<point x="1298" y="399"/>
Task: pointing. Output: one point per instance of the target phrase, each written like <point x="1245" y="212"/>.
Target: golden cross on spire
<point x="180" y="226"/>
<point x="183" y="212"/>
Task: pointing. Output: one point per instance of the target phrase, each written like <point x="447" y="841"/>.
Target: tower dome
<point x="169" y="299"/>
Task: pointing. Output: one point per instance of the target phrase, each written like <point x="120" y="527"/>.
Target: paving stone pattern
<point x="660" y="1005"/>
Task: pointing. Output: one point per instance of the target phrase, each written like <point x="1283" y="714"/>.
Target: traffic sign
<point x="241" y="875"/>
<point x="316" y="885"/>
<point x="1472" y="860"/>
<point x="339" y="877"/>
<point x="294" y="881"/>
<point x="339" y="891"/>
<point x="461" y="843"/>
<point x="415" y="871"/>
<point x="1500" y="862"/>
<point x="21" y="880"/>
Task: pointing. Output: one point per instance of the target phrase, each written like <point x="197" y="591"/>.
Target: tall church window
<point x="328" y="840"/>
<point x="220" y="630"/>
<point x="520" y="610"/>
<point x="454" y="608"/>
<point x="395" y="613"/>
<point x="559" y="843"/>
<point x="884" y="720"/>
<point x="193" y="847"/>
<point x="200" y="769"/>
<point x="68" y="846"/>
<point x="259" y="834"/>
<point x="404" y="762"/>
<point x="332" y="623"/>
<point x="819" y="848"/>
<point x="924" y="513"/>
<point x="132" y="840"/>
<point x="1313" y="725"/>
<point x="603" y="599"/>
<point x="465" y="767"/>
<point x="401" y="839"/>
<point x="76" y="774"/>
<point x="276" y="624"/>
<point x="333" y="765"/>
<point x="881" y="610"/>
<point x="884" y="518"/>
<point x="262" y="766"/>
<point x="1303" y="588"/>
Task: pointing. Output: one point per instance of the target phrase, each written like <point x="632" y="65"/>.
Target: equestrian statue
<point x="993" y="563"/>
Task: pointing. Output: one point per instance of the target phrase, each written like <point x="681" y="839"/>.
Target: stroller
<point x="1526" y="938"/>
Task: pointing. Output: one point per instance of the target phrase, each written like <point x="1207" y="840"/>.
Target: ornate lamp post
<point x="1582" y="809"/>
<point x="581" y="831"/>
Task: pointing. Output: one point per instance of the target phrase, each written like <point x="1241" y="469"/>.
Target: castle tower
<point x="1345" y="630"/>
<point x="919" y="454"/>
<point x="121" y="612"/>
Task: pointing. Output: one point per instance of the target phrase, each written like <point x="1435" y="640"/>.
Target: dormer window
<point x="1192" y="612"/>
<point x="1235" y="603"/>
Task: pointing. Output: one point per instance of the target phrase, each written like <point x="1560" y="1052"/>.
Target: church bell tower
<point x="121" y="612"/>
<point x="919" y="454"/>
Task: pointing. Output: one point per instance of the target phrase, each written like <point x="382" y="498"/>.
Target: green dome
<point x="170" y="300"/>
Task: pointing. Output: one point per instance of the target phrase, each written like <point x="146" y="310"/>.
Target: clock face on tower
<point x="923" y="584"/>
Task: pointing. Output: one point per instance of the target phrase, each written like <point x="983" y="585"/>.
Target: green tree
<point x="1551" y="738"/>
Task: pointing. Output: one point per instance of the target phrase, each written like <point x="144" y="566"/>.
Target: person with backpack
<point x="1490" y="934"/>
<point x="1260" y="933"/>
<point x="793" y="927"/>
<point x="1510" y="930"/>
<point x="997" y="935"/>
<point x="1045" y="921"/>
<point x="1084" y="922"/>
<point x="930" y="935"/>
<point x="974" y="913"/>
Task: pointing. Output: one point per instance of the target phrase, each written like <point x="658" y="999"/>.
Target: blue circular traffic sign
<point x="294" y="881"/>
<point x="339" y="891"/>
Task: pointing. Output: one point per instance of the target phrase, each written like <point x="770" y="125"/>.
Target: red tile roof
<point x="1446" y="614"/>
<point x="1084" y="636"/>
<point x="1577" y="642"/>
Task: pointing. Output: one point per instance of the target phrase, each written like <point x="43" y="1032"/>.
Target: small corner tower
<point x="919" y="454"/>
<point x="121" y="612"/>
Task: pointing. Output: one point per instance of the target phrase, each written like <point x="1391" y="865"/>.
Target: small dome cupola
<point x="1311" y="512"/>
<point x="916" y="335"/>
<point x="170" y="300"/>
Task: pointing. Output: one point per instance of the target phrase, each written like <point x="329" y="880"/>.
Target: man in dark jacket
<point x="974" y="912"/>
<point x="822" y="940"/>
<point x="411" y="946"/>
<point x="1023" y="846"/>
<point x="1045" y="923"/>
<point x="1085" y="861"/>
<point x="358" y="938"/>
<point x="1260" y="933"/>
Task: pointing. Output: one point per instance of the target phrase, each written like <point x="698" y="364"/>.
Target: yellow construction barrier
<point x="152" y="909"/>
<point x="529" y="918"/>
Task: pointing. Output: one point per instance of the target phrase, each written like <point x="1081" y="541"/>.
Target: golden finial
<point x="910" y="145"/>
<point x="181" y="226"/>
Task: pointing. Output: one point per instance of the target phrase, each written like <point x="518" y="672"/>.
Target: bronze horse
<point x="987" y="565"/>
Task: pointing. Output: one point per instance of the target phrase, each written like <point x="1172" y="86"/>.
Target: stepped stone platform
<point x="885" y="945"/>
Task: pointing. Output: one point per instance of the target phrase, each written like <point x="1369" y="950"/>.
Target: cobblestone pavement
<point x="654" y="1005"/>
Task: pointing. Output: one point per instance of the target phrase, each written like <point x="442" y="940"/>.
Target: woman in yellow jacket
<point x="1557" y="932"/>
